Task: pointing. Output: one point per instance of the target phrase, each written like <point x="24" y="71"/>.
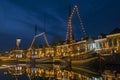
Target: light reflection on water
<point x="52" y="72"/>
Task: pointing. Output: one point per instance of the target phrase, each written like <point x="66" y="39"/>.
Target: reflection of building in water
<point x="58" y="74"/>
<point x="55" y="73"/>
<point x="39" y="72"/>
<point x="17" y="70"/>
<point x="110" y="75"/>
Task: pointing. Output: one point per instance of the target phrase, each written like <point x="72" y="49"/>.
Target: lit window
<point x="100" y="44"/>
<point x="104" y="45"/>
<point x="110" y="42"/>
<point x="97" y="45"/>
<point x="115" y="42"/>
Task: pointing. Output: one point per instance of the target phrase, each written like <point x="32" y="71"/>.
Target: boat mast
<point x="70" y="29"/>
<point x="44" y="30"/>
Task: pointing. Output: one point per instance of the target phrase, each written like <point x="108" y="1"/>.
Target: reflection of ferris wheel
<point x="69" y="34"/>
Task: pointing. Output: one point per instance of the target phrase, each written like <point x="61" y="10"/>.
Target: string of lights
<point x="41" y="34"/>
<point x="69" y="33"/>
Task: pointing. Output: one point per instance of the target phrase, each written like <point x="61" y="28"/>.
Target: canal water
<point x="56" y="72"/>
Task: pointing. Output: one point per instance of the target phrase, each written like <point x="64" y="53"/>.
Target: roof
<point x="116" y="30"/>
<point x="103" y="35"/>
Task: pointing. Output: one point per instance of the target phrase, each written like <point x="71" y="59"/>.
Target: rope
<point x="41" y="34"/>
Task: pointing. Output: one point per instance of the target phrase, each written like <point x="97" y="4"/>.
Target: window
<point x="100" y="44"/>
<point x="104" y="45"/>
<point x="110" y="42"/>
<point x="115" y="42"/>
<point x="97" y="45"/>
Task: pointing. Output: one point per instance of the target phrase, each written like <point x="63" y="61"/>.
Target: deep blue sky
<point x="18" y="17"/>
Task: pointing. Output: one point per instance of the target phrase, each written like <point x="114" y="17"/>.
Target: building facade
<point x="104" y="44"/>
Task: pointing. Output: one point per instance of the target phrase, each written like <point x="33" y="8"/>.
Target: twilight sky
<point x="18" y="18"/>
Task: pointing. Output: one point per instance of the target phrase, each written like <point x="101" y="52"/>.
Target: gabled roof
<point x="116" y="30"/>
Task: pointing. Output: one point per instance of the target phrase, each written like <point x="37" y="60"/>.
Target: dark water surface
<point x="56" y="72"/>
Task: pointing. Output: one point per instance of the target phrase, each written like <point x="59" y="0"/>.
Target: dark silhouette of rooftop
<point x="116" y="30"/>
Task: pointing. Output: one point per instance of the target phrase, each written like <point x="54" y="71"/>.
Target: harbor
<point x="89" y="58"/>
